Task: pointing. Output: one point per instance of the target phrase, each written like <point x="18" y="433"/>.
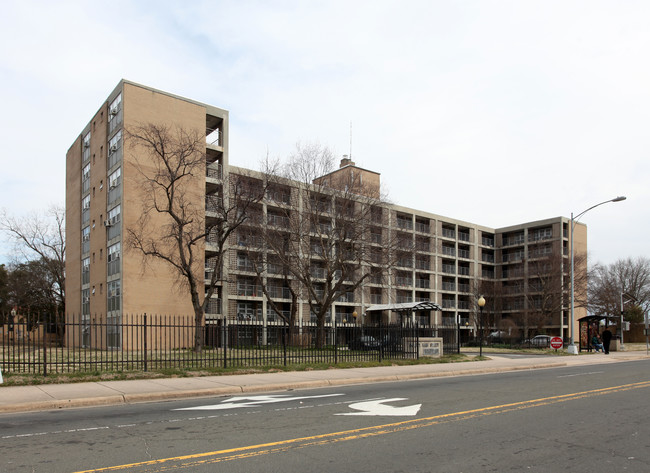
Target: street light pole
<point x="572" y="349"/>
<point x="481" y="303"/>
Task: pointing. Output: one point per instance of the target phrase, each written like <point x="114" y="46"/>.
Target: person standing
<point x="607" y="338"/>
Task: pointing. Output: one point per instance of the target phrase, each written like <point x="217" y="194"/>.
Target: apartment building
<point x="443" y="260"/>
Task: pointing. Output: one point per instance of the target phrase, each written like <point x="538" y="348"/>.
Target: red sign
<point x="556" y="342"/>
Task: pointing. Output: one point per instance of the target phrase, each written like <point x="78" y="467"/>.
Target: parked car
<point x="496" y="336"/>
<point x="539" y="341"/>
<point x="365" y="342"/>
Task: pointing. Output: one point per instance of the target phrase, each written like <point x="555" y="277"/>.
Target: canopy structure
<point x="405" y="307"/>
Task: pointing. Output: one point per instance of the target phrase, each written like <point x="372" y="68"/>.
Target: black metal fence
<point x="148" y="343"/>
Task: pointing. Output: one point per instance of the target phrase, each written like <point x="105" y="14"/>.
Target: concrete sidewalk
<point x="58" y="396"/>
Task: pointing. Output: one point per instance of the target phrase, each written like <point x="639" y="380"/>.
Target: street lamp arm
<point x="616" y="199"/>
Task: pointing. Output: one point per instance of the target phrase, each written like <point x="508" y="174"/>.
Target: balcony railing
<point x="214" y="137"/>
<point x="422" y="227"/>
<point x="214" y="171"/>
<point x="422" y="264"/>
<point x="279" y="292"/>
<point x="448" y="233"/>
<point x="487" y="242"/>
<point x="277" y="220"/>
<point x="422" y="283"/>
<point x="448" y="250"/>
<point x="404" y="223"/>
<point x="403" y="281"/>
<point x="213" y="203"/>
<point x="449" y="268"/>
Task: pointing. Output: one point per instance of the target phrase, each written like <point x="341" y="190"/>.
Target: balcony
<point x="214" y="171"/>
<point x="422" y="227"/>
<point x="448" y="286"/>
<point x="448" y="250"/>
<point x="404" y="298"/>
<point x="346" y="297"/>
<point x="214" y="137"/>
<point x="449" y="233"/>
<point x="487" y="242"/>
<point x="422" y="264"/>
<point x="422" y="283"/>
<point x="213" y="203"/>
<point x="277" y="292"/>
<point x="403" y="281"/>
<point x="404" y="223"/>
<point x="449" y="269"/>
<point x="277" y="221"/>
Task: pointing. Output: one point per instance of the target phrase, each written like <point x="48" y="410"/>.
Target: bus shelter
<point x="590" y="325"/>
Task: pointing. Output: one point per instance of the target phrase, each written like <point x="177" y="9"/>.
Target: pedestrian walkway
<point x="103" y="393"/>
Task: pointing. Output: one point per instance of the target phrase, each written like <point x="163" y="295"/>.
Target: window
<point x="85" y="148"/>
<point x="85" y="239"/>
<point x="114" y="293"/>
<point x="85" y="209"/>
<point x="85" y="271"/>
<point x="114" y="215"/>
<point x="115" y="149"/>
<point x="114" y="189"/>
<point x="113" y="222"/>
<point x="85" y="301"/>
<point x="85" y="178"/>
<point x="113" y="259"/>
<point x="115" y="113"/>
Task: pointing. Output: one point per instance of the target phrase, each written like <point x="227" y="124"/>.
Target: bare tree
<point x="5" y="305"/>
<point x="170" y="162"/>
<point x="321" y="237"/>
<point x="40" y="238"/>
<point x="630" y="277"/>
<point x="545" y="295"/>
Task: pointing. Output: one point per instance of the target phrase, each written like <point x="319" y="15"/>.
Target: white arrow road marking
<point x="378" y="408"/>
<point x="251" y="401"/>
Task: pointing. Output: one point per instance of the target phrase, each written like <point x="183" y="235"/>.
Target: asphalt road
<point x="592" y="418"/>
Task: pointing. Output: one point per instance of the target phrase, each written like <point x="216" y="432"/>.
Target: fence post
<point x="284" y="341"/>
<point x="417" y="341"/>
<point x="225" y="342"/>
<point x="381" y="337"/>
<point x="144" y="331"/>
<point x="44" y="351"/>
<point x="336" y="342"/>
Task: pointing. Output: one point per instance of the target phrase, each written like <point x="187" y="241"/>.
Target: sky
<point x="491" y="112"/>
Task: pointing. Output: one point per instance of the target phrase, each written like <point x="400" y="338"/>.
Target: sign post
<point x="556" y="342"/>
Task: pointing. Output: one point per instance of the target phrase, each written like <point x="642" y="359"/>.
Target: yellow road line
<point x="364" y="432"/>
